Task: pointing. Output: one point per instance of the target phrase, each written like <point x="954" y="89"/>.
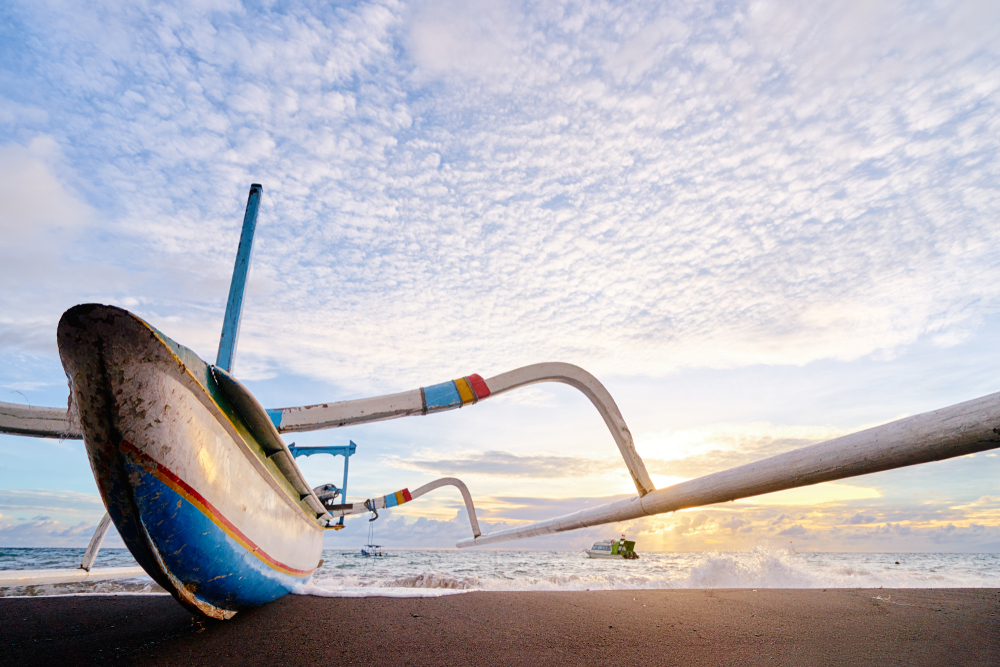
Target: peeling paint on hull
<point x="192" y="493"/>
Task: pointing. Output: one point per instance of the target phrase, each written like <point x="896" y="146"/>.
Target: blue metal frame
<point x="334" y="450"/>
<point x="234" y="307"/>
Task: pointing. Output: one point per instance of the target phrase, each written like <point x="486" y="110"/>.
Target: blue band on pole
<point x="234" y="307"/>
<point x="444" y="395"/>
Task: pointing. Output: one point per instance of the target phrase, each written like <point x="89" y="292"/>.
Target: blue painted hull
<point x="213" y="517"/>
<point x="196" y="551"/>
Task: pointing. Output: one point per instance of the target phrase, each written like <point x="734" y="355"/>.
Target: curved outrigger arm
<point x="465" y="391"/>
<point x="959" y="430"/>
<point x="405" y="496"/>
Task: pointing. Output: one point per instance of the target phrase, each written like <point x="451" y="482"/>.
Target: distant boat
<point x="621" y="548"/>
<point x="372" y="551"/>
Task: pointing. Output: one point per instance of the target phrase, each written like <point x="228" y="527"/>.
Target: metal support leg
<point x="95" y="543"/>
<point x="343" y="489"/>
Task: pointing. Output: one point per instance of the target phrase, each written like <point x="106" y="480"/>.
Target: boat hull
<point x="601" y="554"/>
<point x="197" y="501"/>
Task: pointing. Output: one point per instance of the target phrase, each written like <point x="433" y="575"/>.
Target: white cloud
<point x="37" y="201"/>
<point x="633" y="190"/>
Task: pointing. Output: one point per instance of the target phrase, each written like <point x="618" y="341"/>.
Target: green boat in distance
<point x="620" y="548"/>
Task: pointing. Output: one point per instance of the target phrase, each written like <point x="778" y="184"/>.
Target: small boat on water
<point x="620" y="548"/>
<point x="372" y="551"/>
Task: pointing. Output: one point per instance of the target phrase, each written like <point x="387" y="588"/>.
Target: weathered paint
<point x="442" y="396"/>
<point x="234" y="306"/>
<point x="186" y="478"/>
<point x="966" y="428"/>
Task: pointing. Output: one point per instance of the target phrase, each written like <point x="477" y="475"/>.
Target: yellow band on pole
<point x="464" y="391"/>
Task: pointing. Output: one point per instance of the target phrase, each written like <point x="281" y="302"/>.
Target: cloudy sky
<point x="761" y="225"/>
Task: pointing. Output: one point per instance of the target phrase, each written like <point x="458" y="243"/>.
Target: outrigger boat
<point x="208" y="498"/>
<point x="618" y="549"/>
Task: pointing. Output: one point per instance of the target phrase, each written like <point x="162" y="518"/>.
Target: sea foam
<point x="428" y="573"/>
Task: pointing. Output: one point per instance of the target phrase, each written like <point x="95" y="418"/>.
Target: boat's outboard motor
<point x="327" y="494"/>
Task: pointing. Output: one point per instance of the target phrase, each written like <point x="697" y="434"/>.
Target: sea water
<point x="416" y="572"/>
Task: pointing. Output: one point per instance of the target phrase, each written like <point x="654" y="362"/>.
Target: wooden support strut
<point x="95" y="543"/>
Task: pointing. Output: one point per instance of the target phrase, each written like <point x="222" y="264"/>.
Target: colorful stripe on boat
<point x="398" y="498"/>
<point x="182" y="489"/>
<point x="454" y="394"/>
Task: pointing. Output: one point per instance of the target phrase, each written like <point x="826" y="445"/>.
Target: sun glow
<point x="817" y="494"/>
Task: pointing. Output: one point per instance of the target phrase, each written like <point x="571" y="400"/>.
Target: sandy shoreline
<point x="664" y="627"/>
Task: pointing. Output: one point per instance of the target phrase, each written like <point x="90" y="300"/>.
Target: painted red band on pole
<point x="478" y="385"/>
<point x="406" y="495"/>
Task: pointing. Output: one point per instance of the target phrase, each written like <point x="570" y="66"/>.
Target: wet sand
<point x="676" y="627"/>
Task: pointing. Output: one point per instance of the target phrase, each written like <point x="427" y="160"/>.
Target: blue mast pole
<point x="234" y="308"/>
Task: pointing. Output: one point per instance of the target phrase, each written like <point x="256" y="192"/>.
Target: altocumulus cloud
<point x="632" y="187"/>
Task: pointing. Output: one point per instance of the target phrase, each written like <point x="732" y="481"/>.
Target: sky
<point x="760" y="224"/>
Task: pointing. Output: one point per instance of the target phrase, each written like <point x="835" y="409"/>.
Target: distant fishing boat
<point x="372" y="551"/>
<point x="620" y="548"/>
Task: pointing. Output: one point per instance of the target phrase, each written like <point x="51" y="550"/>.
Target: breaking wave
<point x="426" y="573"/>
<point x="433" y="573"/>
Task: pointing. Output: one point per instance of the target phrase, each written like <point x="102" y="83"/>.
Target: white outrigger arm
<point x="468" y="391"/>
<point x="404" y="496"/>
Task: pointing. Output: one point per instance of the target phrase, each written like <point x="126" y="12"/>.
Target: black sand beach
<point x="676" y="627"/>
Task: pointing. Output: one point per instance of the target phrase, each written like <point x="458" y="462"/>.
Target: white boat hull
<point x="204" y="510"/>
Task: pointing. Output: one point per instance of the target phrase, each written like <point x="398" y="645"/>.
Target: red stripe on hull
<point x="167" y="476"/>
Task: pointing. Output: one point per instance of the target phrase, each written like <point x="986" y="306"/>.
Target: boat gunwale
<point x="240" y="433"/>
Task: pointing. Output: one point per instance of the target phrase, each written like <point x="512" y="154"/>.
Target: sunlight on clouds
<point x="818" y="494"/>
<point x="663" y="481"/>
<point x="748" y="438"/>
<point x="696" y="452"/>
<point x="985" y="509"/>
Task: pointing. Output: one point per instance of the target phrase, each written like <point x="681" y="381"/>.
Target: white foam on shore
<point x="431" y="573"/>
<point x="554" y="571"/>
<point x="371" y="591"/>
